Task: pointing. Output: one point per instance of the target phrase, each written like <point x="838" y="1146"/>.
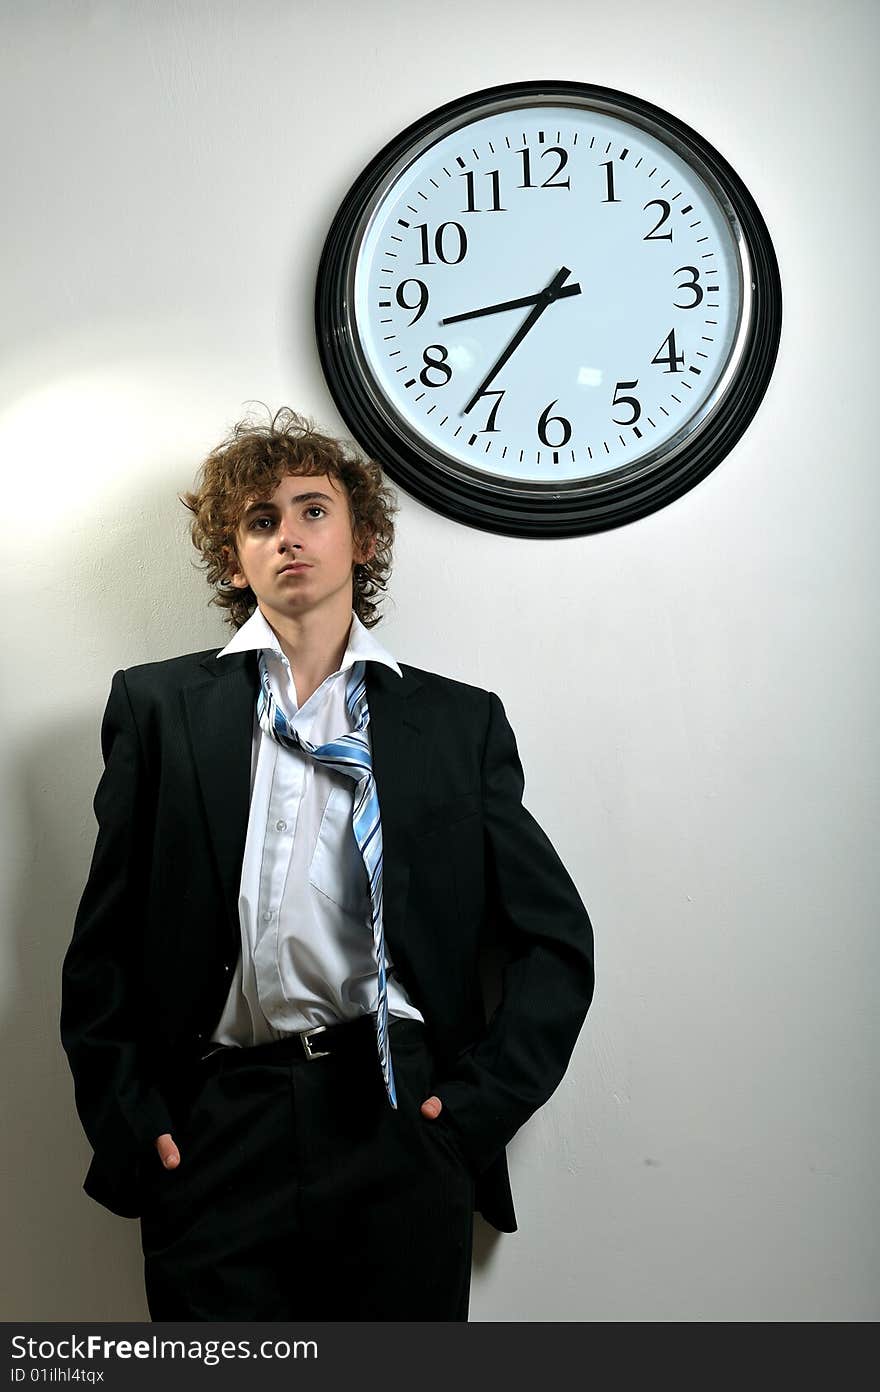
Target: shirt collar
<point x="257" y="632"/>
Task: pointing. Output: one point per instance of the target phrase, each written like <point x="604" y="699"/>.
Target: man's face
<point x="306" y="519"/>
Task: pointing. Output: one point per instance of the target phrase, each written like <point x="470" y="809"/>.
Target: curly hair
<point x="248" y="465"/>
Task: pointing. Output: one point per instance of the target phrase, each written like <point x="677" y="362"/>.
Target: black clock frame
<point x="541" y="513"/>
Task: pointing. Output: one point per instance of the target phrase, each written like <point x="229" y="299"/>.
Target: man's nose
<point x="288" y="536"/>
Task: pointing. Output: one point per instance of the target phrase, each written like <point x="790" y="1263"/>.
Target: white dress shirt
<point x="304" y="909"/>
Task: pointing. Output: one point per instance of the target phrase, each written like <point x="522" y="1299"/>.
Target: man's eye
<point x="256" y="524"/>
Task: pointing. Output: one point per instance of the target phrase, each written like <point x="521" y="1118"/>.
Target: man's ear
<point x="233" y="572"/>
<point x="366" y="551"/>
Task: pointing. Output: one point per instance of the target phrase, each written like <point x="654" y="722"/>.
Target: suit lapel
<point x="220" y="711"/>
<point x="399" y="754"/>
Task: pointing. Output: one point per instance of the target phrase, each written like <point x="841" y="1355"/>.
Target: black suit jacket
<point x="466" y="868"/>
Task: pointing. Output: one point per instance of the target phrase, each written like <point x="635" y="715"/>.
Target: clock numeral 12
<point x="549" y="182"/>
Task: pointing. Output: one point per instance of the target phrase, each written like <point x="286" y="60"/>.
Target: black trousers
<point x="302" y="1194"/>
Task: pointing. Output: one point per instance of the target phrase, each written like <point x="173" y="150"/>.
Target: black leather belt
<point x="322" y="1041"/>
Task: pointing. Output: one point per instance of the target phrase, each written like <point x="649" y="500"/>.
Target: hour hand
<point x="521" y="303"/>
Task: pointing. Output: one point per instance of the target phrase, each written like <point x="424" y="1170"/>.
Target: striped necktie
<point x="349" y="755"/>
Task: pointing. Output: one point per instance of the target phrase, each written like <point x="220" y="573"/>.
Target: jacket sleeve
<point x="548" y="982"/>
<point x="120" y="1114"/>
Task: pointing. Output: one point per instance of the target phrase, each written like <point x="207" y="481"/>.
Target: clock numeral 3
<point x="690" y="285"/>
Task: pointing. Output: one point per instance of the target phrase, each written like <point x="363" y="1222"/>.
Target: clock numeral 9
<point x="422" y="304"/>
<point x="545" y="420"/>
<point x="438" y="364"/>
<point x="422" y="229"/>
<point x="690" y="285"/>
<point x="653" y="235"/>
<point x="626" y="401"/>
<point x="550" y="181"/>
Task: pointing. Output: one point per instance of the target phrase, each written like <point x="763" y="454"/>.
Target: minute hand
<point x="548" y="295"/>
<point x="510" y="304"/>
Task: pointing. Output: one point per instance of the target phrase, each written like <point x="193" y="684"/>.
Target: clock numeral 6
<point x="422" y="303"/>
<point x="439" y="235"/>
<point x="545" y="420"/>
<point x="626" y="401"/>
<point x="438" y="364"/>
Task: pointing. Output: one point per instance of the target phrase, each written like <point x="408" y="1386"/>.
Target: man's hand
<point x="168" y="1152"/>
<point x="431" y="1107"/>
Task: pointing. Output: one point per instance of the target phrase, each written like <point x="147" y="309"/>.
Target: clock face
<point x="542" y="308"/>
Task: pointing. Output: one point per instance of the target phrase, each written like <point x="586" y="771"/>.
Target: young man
<point x="272" y="1003"/>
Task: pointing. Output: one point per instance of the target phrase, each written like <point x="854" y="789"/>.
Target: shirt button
<point x="268" y="914"/>
<point x="280" y="826"/>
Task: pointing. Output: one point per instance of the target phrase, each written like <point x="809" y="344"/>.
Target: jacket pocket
<point x="444" y="815"/>
<point x="444" y="1131"/>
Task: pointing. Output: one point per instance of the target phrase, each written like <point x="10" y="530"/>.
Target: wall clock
<point x="548" y="308"/>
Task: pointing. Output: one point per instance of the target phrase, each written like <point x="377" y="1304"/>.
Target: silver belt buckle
<point x="306" y="1037"/>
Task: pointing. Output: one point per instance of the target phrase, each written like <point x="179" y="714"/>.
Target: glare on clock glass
<point x="634" y="343"/>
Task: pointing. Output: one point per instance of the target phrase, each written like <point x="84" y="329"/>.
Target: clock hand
<point x="511" y="304"/>
<point x="546" y="297"/>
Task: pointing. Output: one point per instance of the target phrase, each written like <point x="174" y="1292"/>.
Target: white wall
<point x="169" y="173"/>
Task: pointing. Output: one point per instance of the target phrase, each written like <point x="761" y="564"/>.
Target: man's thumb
<point x="168" y="1152"/>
